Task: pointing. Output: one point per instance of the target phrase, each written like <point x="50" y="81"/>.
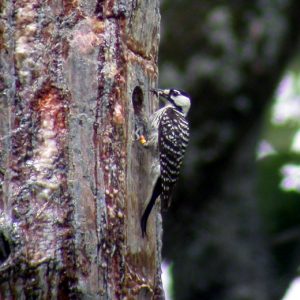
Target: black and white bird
<point x="168" y="138"/>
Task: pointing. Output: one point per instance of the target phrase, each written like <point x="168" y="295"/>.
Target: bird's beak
<point x="161" y="93"/>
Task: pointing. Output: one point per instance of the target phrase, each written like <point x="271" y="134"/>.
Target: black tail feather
<point x="156" y="192"/>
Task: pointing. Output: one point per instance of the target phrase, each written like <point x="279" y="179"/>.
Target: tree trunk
<point x="74" y="87"/>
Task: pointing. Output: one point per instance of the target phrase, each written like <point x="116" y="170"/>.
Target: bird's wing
<point x="173" y="137"/>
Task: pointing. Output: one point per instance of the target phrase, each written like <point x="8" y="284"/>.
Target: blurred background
<point x="233" y="230"/>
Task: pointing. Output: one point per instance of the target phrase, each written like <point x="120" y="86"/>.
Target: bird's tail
<point x="156" y="192"/>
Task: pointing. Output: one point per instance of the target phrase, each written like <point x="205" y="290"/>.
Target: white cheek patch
<point x="181" y="100"/>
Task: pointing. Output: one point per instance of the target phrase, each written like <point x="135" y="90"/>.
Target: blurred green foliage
<point x="281" y="207"/>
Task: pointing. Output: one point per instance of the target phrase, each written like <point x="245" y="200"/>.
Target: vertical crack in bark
<point x="110" y="151"/>
<point x="100" y="215"/>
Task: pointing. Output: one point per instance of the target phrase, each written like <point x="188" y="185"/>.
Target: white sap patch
<point x="44" y="158"/>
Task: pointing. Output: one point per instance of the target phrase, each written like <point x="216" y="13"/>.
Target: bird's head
<point x="179" y="99"/>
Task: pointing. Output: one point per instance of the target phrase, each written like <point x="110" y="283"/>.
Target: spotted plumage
<point x="169" y="136"/>
<point x="173" y="136"/>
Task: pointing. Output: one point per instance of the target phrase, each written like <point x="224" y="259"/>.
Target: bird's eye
<point x="175" y="93"/>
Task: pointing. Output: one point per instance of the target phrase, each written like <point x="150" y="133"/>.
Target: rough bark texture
<point x="73" y="179"/>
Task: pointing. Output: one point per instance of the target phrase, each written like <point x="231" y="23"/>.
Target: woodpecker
<point x="168" y="138"/>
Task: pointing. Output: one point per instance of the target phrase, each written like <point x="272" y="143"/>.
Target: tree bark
<point x="74" y="88"/>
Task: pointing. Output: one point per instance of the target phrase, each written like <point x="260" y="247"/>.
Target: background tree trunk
<point x="73" y="180"/>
